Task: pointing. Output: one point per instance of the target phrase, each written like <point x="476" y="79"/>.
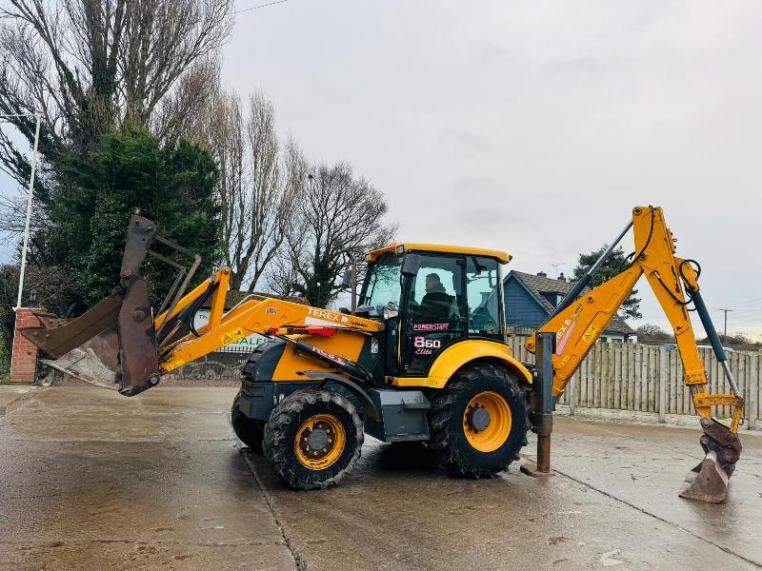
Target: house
<point x="530" y="299"/>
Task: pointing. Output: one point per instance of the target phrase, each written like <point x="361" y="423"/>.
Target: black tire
<point x="282" y="435"/>
<point x="250" y="431"/>
<point x="449" y="443"/>
<point x="347" y="393"/>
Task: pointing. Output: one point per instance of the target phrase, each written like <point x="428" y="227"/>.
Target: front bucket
<point x="96" y="361"/>
<point x="113" y="345"/>
<point x="86" y="348"/>
<point x="59" y="336"/>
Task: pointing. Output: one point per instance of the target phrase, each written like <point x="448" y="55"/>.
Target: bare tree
<point x="338" y="215"/>
<point x="90" y="65"/>
<point x="259" y="185"/>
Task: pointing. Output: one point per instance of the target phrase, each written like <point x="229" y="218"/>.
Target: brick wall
<point x="24" y="355"/>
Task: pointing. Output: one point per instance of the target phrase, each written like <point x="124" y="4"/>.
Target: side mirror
<point x="411" y="265"/>
<point x="348" y="279"/>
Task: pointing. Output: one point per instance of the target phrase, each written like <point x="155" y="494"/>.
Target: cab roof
<point x="499" y="255"/>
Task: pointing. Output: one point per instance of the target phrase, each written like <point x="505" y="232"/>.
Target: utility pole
<point x="30" y="192"/>
<point x="725" y="310"/>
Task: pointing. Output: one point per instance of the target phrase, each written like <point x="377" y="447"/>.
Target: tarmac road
<point x="93" y="480"/>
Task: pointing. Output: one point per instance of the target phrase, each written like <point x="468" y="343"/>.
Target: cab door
<point x="434" y="313"/>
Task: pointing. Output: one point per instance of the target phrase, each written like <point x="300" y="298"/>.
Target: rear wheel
<point x="479" y="421"/>
<point x="248" y="430"/>
<point x="313" y="439"/>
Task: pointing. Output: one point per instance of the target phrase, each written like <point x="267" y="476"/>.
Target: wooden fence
<point x="646" y="378"/>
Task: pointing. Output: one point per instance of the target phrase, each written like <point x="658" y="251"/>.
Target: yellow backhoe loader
<point x="422" y="358"/>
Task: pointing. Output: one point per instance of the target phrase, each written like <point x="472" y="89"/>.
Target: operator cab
<point x="431" y="297"/>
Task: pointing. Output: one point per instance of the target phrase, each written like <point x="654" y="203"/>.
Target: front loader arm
<point x="580" y="322"/>
<point x="117" y="344"/>
<point x="256" y="314"/>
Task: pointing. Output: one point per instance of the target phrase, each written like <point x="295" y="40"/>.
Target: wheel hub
<point x="318" y="438"/>
<point x="487" y="421"/>
<point x="479" y="418"/>
<point x="319" y="442"/>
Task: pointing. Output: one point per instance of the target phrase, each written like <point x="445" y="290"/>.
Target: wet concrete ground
<point x="92" y="480"/>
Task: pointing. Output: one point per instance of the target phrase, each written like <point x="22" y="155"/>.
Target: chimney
<point x="542" y="274"/>
<point x="562" y="277"/>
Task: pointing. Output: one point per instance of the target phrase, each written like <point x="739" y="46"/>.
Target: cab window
<point x="437" y="293"/>
<point x="383" y="287"/>
<point x="483" y="287"/>
<point x="435" y="312"/>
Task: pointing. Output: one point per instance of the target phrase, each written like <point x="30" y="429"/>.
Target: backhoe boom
<point x="580" y="322"/>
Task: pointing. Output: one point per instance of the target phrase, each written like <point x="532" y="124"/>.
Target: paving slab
<point x="90" y="480"/>
<point x="397" y="511"/>
<point x="93" y="480"/>
<point x="12" y="396"/>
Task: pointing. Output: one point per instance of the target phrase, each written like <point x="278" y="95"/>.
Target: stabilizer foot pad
<point x="530" y="469"/>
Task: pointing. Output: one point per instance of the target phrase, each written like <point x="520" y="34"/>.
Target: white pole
<point x="38" y="118"/>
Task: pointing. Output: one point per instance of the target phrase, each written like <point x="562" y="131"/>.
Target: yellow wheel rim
<point x="320" y="441"/>
<point x="487" y="421"/>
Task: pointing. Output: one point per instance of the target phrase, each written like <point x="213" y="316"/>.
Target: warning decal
<point x="232" y="336"/>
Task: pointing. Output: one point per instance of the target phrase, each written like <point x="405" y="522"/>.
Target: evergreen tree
<point x="616" y="263"/>
<point x="128" y="172"/>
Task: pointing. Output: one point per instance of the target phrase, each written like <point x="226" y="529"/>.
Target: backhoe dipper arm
<point x="579" y="322"/>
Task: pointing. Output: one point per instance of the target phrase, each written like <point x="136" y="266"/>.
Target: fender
<point x="459" y="354"/>
<point x="368" y="405"/>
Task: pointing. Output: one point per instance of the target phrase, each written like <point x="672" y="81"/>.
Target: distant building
<point x="245" y="345"/>
<point x="531" y="298"/>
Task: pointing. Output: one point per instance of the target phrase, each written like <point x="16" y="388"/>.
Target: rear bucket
<point x="708" y="482"/>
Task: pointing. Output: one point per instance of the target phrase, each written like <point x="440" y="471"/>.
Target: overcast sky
<point x="534" y="126"/>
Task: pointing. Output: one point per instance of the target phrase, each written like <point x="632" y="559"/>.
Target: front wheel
<point x="479" y="421"/>
<point x="313" y="439"/>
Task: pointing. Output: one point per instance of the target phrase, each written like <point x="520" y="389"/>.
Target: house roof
<point x="536" y="286"/>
